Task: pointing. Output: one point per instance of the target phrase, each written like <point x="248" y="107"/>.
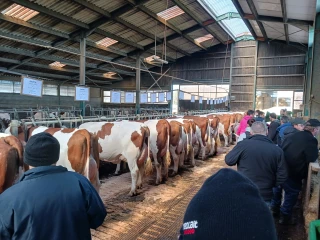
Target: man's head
<point x="250" y="113"/>
<point x="284" y="119"/>
<point x="272" y="116"/>
<point x="42" y="149"/>
<point x="261" y="114"/>
<point x="312" y="125"/>
<point x="250" y="122"/>
<point x="298" y="123"/>
<point x="227" y="206"/>
<point x="258" y="128"/>
<point x="257" y="112"/>
<point x="283" y="112"/>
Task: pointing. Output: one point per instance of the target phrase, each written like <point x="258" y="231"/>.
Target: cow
<point x="4" y="121"/>
<point x="214" y="127"/>
<point x="182" y="149"/>
<point x="124" y="141"/>
<point x="11" y="160"/>
<point x="224" y="128"/>
<point x="78" y="150"/>
<point x="159" y="145"/>
<point x="202" y="133"/>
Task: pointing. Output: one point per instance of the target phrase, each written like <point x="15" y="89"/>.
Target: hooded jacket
<point x="287" y="132"/>
<point x="280" y="131"/>
<point x="272" y="133"/>
<point x="300" y="149"/>
<point x="243" y="125"/>
<point x="261" y="161"/>
<point x="50" y="203"/>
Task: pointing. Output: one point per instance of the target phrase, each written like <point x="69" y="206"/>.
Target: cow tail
<point x="209" y="133"/>
<point x="86" y="134"/>
<point x="148" y="164"/>
<point x="95" y="149"/>
<point x="168" y="157"/>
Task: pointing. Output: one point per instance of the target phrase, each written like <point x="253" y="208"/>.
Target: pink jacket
<point x="243" y="125"/>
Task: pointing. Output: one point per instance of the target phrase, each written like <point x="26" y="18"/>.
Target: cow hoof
<point x="117" y="173"/>
<point x="132" y="193"/>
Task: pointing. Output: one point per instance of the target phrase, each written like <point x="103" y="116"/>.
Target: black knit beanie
<point x="42" y="149"/>
<point x="228" y="207"/>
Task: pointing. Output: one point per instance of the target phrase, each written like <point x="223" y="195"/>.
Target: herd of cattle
<point x="181" y="139"/>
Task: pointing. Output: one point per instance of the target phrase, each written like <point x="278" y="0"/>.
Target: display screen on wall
<point x="181" y="95"/>
<point x="31" y="87"/>
<point x="115" y="96"/>
<point x="161" y="97"/>
<point x="82" y="93"/>
<point x="153" y="97"/>
<point x="200" y="100"/>
<point x="143" y="97"/>
<point x="129" y="97"/>
<point x="193" y="98"/>
<point x="168" y="96"/>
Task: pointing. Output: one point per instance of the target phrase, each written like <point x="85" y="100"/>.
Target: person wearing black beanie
<point x="49" y="202"/>
<point x="228" y="207"/>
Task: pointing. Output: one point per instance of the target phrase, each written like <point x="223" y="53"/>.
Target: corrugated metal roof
<point x="304" y="10"/>
<point x="245" y="7"/>
<point x="106" y="42"/>
<point x="185" y="45"/>
<point x="170" y="13"/>
<point x="256" y="28"/>
<point x="11" y="55"/>
<point x="274" y="30"/>
<point x="269" y="8"/>
<point x="108" y="5"/>
<point x="297" y="34"/>
<point x="197" y="9"/>
<point x="86" y="16"/>
<point x="20" y="12"/>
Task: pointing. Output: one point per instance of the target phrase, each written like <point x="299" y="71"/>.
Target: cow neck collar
<point x="42" y="171"/>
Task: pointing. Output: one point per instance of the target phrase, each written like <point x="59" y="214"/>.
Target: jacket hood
<point x="41" y="171"/>
<point x="290" y="130"/>
<point x="247" y="117"/>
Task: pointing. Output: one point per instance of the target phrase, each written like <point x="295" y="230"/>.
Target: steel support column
<point x="307" y="83"/>
<point x="82" y="70"/>
<point x="255" y="77"/>
<point x="315" y="69"/>
<point x="230" y="80"/>
<point x="138" y="81"/>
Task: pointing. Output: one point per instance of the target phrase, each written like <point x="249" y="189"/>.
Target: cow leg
<point x="212" y="147"/>
<point x="117" y="172"/>
<point x="181" y="159"/>
<point x="140" y="176"/>
<point x="158" y="167"/>
<point x="134" y="175"/>
<point x="94" y="174"/>
<point x="226" y="140"/>
<point x="193" y="163"/>
<point x="175" y="158"/>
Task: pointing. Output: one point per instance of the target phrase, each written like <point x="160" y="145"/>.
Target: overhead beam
<point x="114" y="16"/>
<point x="256" y="16"/>
<point x="285" y="19"/>
<point x="49" y="46"/>
<point x="197" y="19"/>
<point x="49" y="12"/>
<point x="293" y="44"/>
<point x="248" y="24"/>
<point x="291" y="21"/>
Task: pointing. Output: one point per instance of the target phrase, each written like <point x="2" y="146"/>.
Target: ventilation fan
<point x="155" y="60"/>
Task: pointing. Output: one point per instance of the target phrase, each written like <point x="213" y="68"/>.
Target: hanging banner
<point x="115" y="96"/>
<point x="153" y="97"/>
<point x="32" y="87"/>
<point x="143" y="97"/>
<point x="193" y="98"/>
<point x="161" y="97"/>
<point x="215" y="101"/>
<point x="129" y="98"/>
<point x="181" y="95"/>
<point x="200" y="100"/>
<point x="211" y="101"/>
<point x="168" y="96"/>
<point x="207" y="100"/>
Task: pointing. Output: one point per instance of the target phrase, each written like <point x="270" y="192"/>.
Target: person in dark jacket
<point x="297" y="124"/>
<point x="260" y="160"/>
<point x="49" y="202"/>
<point x="260" y="117"/>
<point x="275" y="123"/>
<point x="227" y="207"/>
<point x="284" y="121"/>
<point x="300" y="149"/>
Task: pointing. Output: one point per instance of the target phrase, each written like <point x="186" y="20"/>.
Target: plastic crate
<point x="314" y="230"/>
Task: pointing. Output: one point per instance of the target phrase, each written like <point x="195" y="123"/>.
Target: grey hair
<point x="259" y="128"/>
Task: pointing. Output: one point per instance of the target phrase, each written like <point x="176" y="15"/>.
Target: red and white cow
<point x="11" y="161"/>
<point x="78" y="150"/>
<point x="124" y="141"/>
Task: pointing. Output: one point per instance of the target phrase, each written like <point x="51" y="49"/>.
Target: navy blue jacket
<point x="261" y="161"/>
<point x="50" y="203"/>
